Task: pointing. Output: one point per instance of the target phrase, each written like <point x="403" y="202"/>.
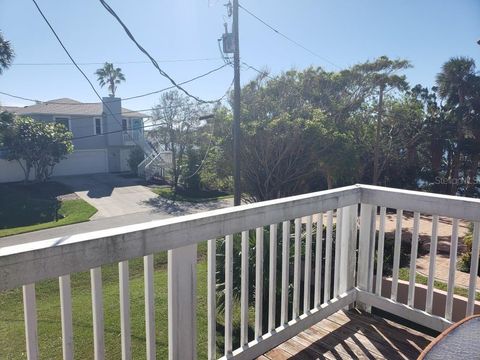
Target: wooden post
<point x="348" y="243"/>
<point x="182" y="307"/>
<point x="365" y="244"/>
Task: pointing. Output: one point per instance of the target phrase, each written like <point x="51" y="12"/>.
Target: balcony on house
<point x="132" y="131"/>
<point x="299" y="277"/>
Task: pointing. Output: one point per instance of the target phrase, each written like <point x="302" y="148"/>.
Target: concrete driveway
<point x="111" y="194"/>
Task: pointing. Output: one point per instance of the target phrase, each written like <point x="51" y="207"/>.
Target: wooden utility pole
<point x="236" y="107"/>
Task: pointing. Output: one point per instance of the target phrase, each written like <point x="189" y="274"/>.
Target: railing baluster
<point x="182" y="303"/>
<point x="371" y="256"/>
<point x="211" y="298"/>
<point x="272" y="288"/>
<point x="380" y="250"/>
<point x="258" y="282"/>
<point x="472" y="285"/>
<point x="396" y="255"/>
<point x="296" y="268"/>
<point x="365" y="244"/>
<point x="452" y="267"/>
<point x="244" y="290"/>
<point x="66" y="316"/>
<point x="413" y="260"/>
<point x="338" y="251"/>
<point x="97" y="313"/>
<point x="308" y="266"/>
<point x="149" y="307"/>
<point x="318" y="260"/>
<point x="124" y="310"/>
<point x="285" y="270"/>
<point x="431" y="265"/>
<point x="30" y="315"/>
<point x="328" y="257"/>
<point x="228" y="293"/>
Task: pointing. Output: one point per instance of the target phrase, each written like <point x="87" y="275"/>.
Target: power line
<point x="264" y="73"/>
<point x="173" y="86"/>
<point x="109" y="132"/>
<point x="115" y="62"/>
<point x="76" y="65"/>
<point x="287" y="37"/>
<point x="153" y="61"/>
<point x="123" y="99"/>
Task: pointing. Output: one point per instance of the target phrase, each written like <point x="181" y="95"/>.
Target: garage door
<point x="83" y="162"/>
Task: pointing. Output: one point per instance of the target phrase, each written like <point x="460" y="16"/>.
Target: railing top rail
<point x="32" y="262"/>
<point x="427" y="203"/>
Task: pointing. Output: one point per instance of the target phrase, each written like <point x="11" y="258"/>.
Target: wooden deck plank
<point x="376" y="329"/>
<point x="352" y="335"/>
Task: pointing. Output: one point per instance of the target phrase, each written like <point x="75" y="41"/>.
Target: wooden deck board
<point x="352" y="335"/>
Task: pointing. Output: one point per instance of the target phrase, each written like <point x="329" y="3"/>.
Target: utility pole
<point x="236" y="107"/>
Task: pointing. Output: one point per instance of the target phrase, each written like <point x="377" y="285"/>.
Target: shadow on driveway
<point x="178" y="208"/>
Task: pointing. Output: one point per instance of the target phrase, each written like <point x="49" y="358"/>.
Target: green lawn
<point x="203" y="196"/>
<point x="420" y="279"/>
<point x="12" y="338"/>
<point x="25" y="208"/>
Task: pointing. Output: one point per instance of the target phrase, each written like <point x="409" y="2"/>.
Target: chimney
<point x="112" y="115"/>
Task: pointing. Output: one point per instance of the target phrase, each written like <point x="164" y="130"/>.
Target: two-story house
<point x="103" y="135"/>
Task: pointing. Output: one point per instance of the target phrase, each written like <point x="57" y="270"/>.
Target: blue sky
<point x="426" y="32"/>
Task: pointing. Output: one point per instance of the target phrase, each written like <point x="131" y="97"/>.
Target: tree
<point x="381" y="74"/>
<point x="177" y="118"/>
<point x="37" y="145"/>
<point x="456" y="84"/>
<point x="111" y="76"/>
<point x="6" y="54"/>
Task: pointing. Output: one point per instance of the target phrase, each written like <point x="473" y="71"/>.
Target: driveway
<point x="111" y="194"/>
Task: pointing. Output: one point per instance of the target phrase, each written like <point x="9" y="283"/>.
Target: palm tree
<point x="111" y="76"/>
<point x="455" y="83"/>
<point x="6" y="54"/>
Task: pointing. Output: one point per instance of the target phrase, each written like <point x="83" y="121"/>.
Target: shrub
<point x="466" y="259"/>
<point x="136" y="157"/>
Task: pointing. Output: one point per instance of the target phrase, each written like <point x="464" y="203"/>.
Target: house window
<point x="124" y="124"/>
<point x="98" y="128"/>
<point x="64" y="121"/>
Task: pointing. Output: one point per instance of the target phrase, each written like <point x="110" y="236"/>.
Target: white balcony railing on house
<point x="338" y="280"/>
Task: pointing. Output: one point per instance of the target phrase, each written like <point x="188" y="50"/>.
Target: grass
<point x="25" y="208"/>
<point x="12" y="337"/>
<point x="199" y="197"/>
<point x="420" y="279"/>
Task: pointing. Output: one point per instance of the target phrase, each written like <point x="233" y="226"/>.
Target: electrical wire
<point x="116" y="62"/>
<point x="123" y="99"/>
<point x="287" y="37"/>
<point x="81" y="71"/>
<point x="263" y="73"/>
<point x="153" y="61"/>
<point x="173" y="86"/>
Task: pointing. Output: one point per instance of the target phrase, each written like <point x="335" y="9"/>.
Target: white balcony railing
<point x="338" y="280"/>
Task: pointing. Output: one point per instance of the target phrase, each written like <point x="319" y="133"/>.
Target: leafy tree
<point x="381" y="75"/>
<point x="111" y="76"/>
<point x="135" y="157"/>
<point x="177" y="118"/>
<point x="37" y="145"/>
<point x="6" y="54"/>
<point x="6" y="121"/>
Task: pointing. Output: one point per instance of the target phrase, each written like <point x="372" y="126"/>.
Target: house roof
<point x="66" y="106"/>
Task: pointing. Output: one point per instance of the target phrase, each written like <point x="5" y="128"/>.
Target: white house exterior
<point x="103" y="136"/>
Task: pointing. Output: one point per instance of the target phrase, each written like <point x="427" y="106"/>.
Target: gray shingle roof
<point x="66" y="106"/>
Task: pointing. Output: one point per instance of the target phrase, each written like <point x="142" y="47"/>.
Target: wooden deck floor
<point x="352" y="335"/>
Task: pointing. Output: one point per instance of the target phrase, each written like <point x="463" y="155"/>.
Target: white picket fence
<point x="343" y="277"/>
